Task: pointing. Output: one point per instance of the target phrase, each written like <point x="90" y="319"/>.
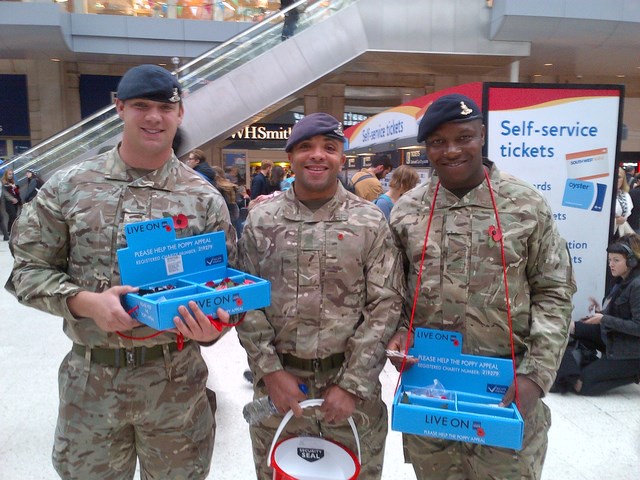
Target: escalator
<point x="256" y="72"/>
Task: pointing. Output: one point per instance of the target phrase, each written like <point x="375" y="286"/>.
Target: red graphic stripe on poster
<point x="514" y="98"/>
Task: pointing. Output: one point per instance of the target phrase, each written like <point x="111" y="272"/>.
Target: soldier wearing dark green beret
<point x="476" y="208"/>
<point x="337" y="288"/>
<point x="127" y="392"/>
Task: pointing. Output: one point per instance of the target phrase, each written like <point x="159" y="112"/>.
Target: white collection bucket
<point x="312" y="458"/>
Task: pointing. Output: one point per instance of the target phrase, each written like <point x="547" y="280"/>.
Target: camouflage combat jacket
<point x="65" y="240"/>
<point x="336" y="286"/>
<point x="462" y="287"/>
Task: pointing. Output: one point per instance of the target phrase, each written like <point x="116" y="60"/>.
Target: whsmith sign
<point x="263" y="131"/>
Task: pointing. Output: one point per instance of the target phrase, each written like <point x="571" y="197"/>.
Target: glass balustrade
<point x="101" y="129"/>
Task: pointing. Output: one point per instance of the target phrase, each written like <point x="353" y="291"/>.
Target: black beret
<point x="448" y="108"/>
<point x="312" y="125"/>
<point x="151" y="82"/>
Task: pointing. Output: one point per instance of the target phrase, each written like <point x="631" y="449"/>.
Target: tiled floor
<point x="591" y="438"/>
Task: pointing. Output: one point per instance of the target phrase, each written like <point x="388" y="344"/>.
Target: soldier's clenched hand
<point x="284" y="390"/>
<point x="338" y="404"/>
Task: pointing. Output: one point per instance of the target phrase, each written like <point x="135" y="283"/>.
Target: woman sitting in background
<point x="614" y="330"/>
<point x="403" y="179"/>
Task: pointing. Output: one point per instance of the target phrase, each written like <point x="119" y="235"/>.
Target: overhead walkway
<point x="255" y="72"/>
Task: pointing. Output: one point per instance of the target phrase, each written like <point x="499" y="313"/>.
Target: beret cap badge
<point x="175" y="97"/>
<point x="464" y="110"/>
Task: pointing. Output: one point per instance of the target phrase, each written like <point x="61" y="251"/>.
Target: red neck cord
<point x="218" y="324"/>
<point x="506" y="289"/>
<point x="506" y="285"/>
<point x="417" y="290"/>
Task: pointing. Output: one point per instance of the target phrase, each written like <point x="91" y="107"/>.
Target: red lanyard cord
<point x="218" y="324"/>
<point x="417" y="290"/>
<point x="506" y="288"/>
<point x="496" y="235"/>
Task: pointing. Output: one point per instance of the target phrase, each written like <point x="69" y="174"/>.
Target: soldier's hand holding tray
<point x="396" y="349"/>
<point x="194" y="324"/>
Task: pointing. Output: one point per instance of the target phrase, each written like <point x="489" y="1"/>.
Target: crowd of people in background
<point x="268" y="178"/>
<point x="12" y="198"/>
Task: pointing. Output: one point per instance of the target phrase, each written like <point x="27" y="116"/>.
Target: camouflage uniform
<point x="336" y="285"/>
<point x="462" y="289"/>
<point x="64" y="242"/>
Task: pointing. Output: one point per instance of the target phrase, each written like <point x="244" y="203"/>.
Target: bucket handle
<point x="314" y="402"/>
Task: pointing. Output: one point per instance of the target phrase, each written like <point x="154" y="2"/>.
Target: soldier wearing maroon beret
<point x="336" y="291"/>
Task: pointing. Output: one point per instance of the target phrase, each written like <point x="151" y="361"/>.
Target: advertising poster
<point x="401" y="122"/>
<point x="563" y="139"/>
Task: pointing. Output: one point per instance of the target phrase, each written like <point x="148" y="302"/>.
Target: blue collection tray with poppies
<point x="454" y="396"/>
<point x="171" y="272"/>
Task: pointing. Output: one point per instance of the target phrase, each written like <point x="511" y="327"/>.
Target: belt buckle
<point x="130" y="357"/>
<point x="316" y="364"/>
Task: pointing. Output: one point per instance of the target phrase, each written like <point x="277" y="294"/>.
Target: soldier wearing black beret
<point x="454" y="108"/>
<point x="131" y="395"/>
<point x="478" y="228"/>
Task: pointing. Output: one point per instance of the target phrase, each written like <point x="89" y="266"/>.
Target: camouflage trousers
<point x="370" y="418"/>
<point x="434" y="459"/>
<point x="158" y="412"/>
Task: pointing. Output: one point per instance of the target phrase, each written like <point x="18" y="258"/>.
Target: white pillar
<point x="514" y="73"/>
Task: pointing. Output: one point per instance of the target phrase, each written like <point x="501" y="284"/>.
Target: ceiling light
<point x="548" y="64"/>
<point x="55" y="59"/>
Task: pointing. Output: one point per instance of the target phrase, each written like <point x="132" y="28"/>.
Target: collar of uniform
<point x="332" y="211"/>
<point x="163" y="178"/>
<point x="478" y="196"/>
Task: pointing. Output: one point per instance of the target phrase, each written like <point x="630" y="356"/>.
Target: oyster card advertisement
<point x="563" y="139"/>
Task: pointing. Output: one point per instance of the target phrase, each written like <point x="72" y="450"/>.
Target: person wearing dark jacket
<point x="34" y="183"/>
<point x="260" y="182"/>
<point x="634" y="218"/>
<point x="290" y="19"/>
<point x="614" y="330"/>
<point x="11" y="198"/>
<point x="198" y="161"/>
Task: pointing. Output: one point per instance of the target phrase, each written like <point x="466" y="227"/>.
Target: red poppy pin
<point x="180" y="221"/>
<point x="495" y="235"/>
